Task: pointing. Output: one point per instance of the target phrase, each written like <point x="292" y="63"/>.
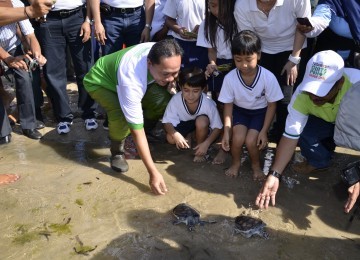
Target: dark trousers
<point x="24" y="94"/>
<point x="122" y="28"/>
<point x="5" y="128"/>
<point x="56" y="34"/>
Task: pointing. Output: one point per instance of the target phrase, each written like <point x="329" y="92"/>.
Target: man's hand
<point x="353" y="196"/>
<point x="291" y="73"/>
<point x="157" y="184"/>
<point x="39" y="8"/>
<point x="85" y="31"/>
<point x="17" y="62"/>
<point x="267" y="192"/>
<point x="99" y="32"/>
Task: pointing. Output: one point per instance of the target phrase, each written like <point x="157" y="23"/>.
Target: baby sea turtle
<point x="248" y="227"/>
<point x="184" y="213"/>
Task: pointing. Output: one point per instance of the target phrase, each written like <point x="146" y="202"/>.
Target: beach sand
<point x="69" y="204"/>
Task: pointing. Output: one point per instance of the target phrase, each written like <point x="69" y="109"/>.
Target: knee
<point x="202" y="122"/>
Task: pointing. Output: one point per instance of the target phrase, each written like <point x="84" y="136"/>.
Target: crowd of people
<point x="240" y="72"/>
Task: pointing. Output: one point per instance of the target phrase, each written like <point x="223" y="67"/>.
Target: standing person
<point x="119" y="82"/>
<point x="215" y="34"/>
<point x="8" y="15"/>
<point x="14" y="57"/>
<point x="67" y="24"/>
<point x="312" y="113"/>
<point x="119" y="22"/>
<point x="192" y="111"/>
<point x="275" y="22"/>
<point x="183" y="18"/>
<point x="249" y="94"/>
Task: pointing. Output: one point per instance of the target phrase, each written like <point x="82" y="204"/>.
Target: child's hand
<point x="210" y="68"/>
<point x="180" y="141"/>
<point x="225" y="144"/>
<point x="201" y="149"/>
<point x="262" y="140"/>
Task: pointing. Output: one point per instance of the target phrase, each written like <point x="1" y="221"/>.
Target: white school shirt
<point x="223" y="50"/>
<point x="188" y="14"/>
<point x="123" y="3"/>
<point x="277" y="32"/>
<point x="132" y="81"/>
<point x="264" y="89"/>
<point x="177" y="111"/>
<point x="67" y="4"/>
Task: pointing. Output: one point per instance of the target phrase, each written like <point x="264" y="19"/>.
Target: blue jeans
<point x="317" y="142"/>
<point x="56" y="34"/>
<point x="193" y="55"/>
<point x="122" y="28"/>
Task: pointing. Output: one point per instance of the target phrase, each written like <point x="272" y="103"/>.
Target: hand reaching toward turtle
<point x="267" y="192"/>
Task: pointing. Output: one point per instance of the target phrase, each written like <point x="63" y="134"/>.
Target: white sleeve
<point x="241" y="17"/>
<point x="215" y="120"/>
<point x="201" y="40"/>
<point x="171" y="116"/>
<point x="320" y="20"/>
<point x="226" y="93"/>
<point x="170" y="9"/>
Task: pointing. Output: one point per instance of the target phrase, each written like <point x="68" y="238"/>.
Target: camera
<point x="32" y="64"/>
<point x="351" y="173"/>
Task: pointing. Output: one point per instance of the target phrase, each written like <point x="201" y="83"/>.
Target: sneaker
<point x="63" y="127"/>
<point x="91" y="124"/>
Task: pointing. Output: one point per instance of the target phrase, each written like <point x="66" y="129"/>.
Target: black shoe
<point x="32" y="133"/>
<point x="5" y="140"/>
<point x="118" y="163"/>
<point x="39" y="125"/>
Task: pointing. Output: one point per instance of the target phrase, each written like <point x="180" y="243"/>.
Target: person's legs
<point x="254" y="153"/>
<point x="5" y="127"/>
<point x="316" y="142"/>
<point x="237" y="142"/>
<point x="118" y="126"/>
<point x="201" y="132"/>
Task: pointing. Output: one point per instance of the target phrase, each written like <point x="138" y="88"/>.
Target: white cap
<point x="322" y="72"/>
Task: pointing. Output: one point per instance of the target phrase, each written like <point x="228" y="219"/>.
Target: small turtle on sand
<point x="184" y="213"/>
<point x="248" y="227"/>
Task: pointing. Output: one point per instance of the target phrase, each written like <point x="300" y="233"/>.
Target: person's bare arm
<point x="149" y="14"/>
<point x="157" y="183"/>
<point x="35" y="48"/>
<point x="99" y="30"/>
<point x="36" y="9"/>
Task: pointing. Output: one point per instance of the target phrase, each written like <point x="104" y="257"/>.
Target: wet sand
<point x="68" y="197"/>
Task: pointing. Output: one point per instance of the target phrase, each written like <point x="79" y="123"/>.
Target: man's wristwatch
<point x="351" y="174"/>
<point x="275" y="174"/>
<point x="148" y="26"/>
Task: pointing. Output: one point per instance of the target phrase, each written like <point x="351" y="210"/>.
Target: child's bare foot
<point x="233" y="171"/>
<point x="258" y="174"/>
<point x="220" y="157"/>
<point x="8" y="178"/>
<point x="201" y="158"/>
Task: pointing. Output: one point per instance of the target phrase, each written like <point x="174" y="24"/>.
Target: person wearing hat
<point x="311" y="120"/>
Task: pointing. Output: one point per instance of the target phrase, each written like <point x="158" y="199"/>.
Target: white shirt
<point x="132" y="82"/>
<point x="158" y="21"/>
<point x="124" y="3"/>
<point x="277" y="32"/>
<point x="67" y="4"/>
<point x="8" y="37"/>
<point x="188" y="14"/>
<point x="177" y="111"/>
<point x="264" y="89"/>
<point x="223" y="49"/>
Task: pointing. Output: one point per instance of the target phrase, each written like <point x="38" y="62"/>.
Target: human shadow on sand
<point x="155" y="237"/>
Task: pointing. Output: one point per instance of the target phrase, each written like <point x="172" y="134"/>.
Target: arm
<point x="225" y="142"/>
<point x="283" y="156"/>
<point x="157" y="183"/>
<point x="98" y="26"/>
<point x="262" y="140"/>
<point x="35" y="48"/>
<point x="175" y="137"/>
<point x="149" y="14"/>
<point x="212" y="55"/>
<point x="36" y="9"/>
<point x="85" y="30"/>
<point x="172" y="25"/>
<point x="290" y="67"/>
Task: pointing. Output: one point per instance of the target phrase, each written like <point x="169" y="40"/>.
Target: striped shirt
<point x="8" y="37"/>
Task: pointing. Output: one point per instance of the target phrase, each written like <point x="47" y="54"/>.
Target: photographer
<point x="15" y="59"/>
